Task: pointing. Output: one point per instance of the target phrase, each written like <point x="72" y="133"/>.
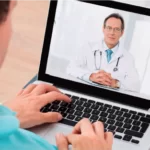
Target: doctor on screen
<point x="107" y="62"/>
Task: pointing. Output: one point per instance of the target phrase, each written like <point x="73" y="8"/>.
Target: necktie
<point x="109" y="53"/>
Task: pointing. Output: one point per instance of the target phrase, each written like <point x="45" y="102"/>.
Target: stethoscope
<point x="98" y="68"/>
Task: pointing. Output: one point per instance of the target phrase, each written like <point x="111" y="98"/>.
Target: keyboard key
<point x="119" y="113"/>
<point x="135" y="141"/>
<point x="127" y="138"/>
<point x="103" y="108"/>
<point x="135" y="128"/>
<point x="88" y="110"/>
<point x="143" y="119"/>
<point x="128" y="120"/>
<point x="118" y="137"/>
<point x="68" y="122"/>
<point x="148" y="116"/>
<point x="94" y="106"/>
<point x="144" y="127"/>
<point x="55" y="107"/>
<point x="134" y="133"/>
<point x="111" y="121"/>
<point x="127" y="115"/>
<point x="116" y="108"/>
<point x="107" y="105"/>
<point x="64" y="114"/>
<point x="112" y="128"/>
<point x="111" y="116"/>
<point x="99" y="103"/>
<point x="64" y="104"/>
<point x="70" y="111"/>
<point x="136" y="123"/>
<point x="135" y="117"/>
<point x="78" y="113"/>
<point x="119" y="124"/>
<point x="78" y="118"/>
<point x="53" y="110"/>
<point x="78" y="102"/>
<point x="75" y="97"/>
<point x="63" y="109"/>
<point x="71" y="117"/>
<point x="105" y="125"/>
<point x="127" y="126"/>
<point x="56" y="102"/>
<point x="111" y="111"/>
<point x="124" y="110"/>
<point x="132" y="112"/>
<point x="121" y="130"/>
<point x="120" y="118"/>
<point x="103" y="114"/>
<point x="72" y="106"/>
<point x="141" y="114"/>
<point x="91" y="101"/>
<point x="80" y="108"/>
<point x="87" y="105"/>
<point x="95" y="112"/>
<point x="86" y="115"/>
<point x="94" y="117"/>
<point x="83" y="99"/>
<point x="102" y="119"/>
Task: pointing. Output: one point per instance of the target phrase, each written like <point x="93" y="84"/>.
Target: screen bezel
<point x="83" y="88"/>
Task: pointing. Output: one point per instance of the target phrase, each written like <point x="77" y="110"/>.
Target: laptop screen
<point x="101" y="46"/>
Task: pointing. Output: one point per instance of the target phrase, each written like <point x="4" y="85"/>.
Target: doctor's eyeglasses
<point x="116" y="30"/>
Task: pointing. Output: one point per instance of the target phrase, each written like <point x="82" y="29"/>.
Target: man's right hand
<point x="101" y="77"/>
<point x="86" y="136"/>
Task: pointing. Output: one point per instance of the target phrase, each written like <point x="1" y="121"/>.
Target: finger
<point x="99" y="129"/>
<point x="61" y="142"/>
<point x="102" y="81"/>
<point x="101" y="71"/>
<point x="29" y="88"/>
<point x="109" y="138"/>
<point x="44" y="88"/>
<point x="73" y="139"/>
<point x="50" y="117"/>
<point x="84" y="127"/>
<point x="44" y="99"/>
<point x="20" y="92"/>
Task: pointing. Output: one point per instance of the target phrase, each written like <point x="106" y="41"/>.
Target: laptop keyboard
<point x="125" y="124"/>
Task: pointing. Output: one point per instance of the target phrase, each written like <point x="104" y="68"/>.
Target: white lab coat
<point x="84" y="65"/>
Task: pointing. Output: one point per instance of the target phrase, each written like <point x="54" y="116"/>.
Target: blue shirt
<point x="14" y="138"/>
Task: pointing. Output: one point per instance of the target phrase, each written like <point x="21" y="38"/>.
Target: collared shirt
<point x="114" y="49"/>
<point x="14" y="138"/>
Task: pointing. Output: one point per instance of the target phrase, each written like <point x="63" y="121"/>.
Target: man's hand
<point x="101" y="77"/>
<point x="86" y="136"/>
<point x="29" y="101"/>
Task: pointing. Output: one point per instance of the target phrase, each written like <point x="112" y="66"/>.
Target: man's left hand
<point x="29" y="101"/>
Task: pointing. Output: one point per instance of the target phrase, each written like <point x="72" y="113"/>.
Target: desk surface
<point x="23" y="58"/>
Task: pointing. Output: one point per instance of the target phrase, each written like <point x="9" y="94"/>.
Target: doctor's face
<point x="112" y="31"/>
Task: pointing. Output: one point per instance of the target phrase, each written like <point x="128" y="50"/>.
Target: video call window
<point x="101" y="46"/>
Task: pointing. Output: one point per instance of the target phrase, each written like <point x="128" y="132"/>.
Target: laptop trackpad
<point x="53" y="129"/>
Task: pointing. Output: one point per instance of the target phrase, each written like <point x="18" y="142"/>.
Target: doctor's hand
<point x="29" y="101"/>
<point x="86" y="136"/>
<point x="101" y="77"/>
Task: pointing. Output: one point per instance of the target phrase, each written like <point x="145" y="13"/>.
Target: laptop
<point x="124" y="112"/>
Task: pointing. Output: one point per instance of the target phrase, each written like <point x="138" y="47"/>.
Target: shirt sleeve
<point x="14" y="138"/>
